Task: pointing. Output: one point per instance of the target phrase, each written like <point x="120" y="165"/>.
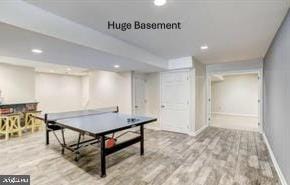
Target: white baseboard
<point x="235" y="114"/>
<point x="199" y="130"/>
<point x="152" y="127"/>
<point x="276" y="165"/>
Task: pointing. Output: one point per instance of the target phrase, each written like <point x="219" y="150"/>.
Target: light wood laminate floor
<point x="215" y="157"/>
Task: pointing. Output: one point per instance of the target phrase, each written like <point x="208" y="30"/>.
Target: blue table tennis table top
<point x="98" y="123"/>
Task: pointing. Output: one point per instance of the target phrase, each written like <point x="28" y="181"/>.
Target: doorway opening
<point x="234" y="101"/>
<point x="146" y="96"/>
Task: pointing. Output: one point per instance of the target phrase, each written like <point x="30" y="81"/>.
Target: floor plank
<point x="215" y="157"/>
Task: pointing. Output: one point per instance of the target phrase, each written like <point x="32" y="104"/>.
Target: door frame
<point x="260" y="93"/>
<point x="208" y="99"/>
<point x="134" y="74"/>
<point x="191" y="117"/>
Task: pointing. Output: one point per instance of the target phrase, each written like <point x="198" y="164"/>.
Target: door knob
<point x="162" y="106"/>
<point x="136" y="106"/>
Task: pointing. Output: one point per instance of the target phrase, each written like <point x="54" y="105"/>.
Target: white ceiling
<point x="233" y="29"/>
<point x="74" y="32"/>
<point x="17" y="43"/>
<point x="45" y="67"/>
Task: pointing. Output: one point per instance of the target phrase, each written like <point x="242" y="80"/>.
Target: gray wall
<point x="277" y="97"/>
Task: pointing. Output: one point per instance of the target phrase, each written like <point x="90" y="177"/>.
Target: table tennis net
<point x="80" y="113"/>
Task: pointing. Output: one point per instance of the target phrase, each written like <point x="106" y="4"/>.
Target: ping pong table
<point x="97" y="124"/>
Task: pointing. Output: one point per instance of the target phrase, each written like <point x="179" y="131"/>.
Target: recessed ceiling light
<point x="204" y="47"/>
<point x="116" y="66"/>
<point x="68" y="69"/>
<point x="159" y="2"/>
<point x="38" y="51"/>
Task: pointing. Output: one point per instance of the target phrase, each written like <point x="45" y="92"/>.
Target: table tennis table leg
<point x="47" y="137"/>
<point x="63" y="141"/>
<point x="46" y="130"/>
<point x="142" y="140"/>
<point x="103" y="156"/>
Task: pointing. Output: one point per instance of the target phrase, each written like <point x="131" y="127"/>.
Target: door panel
<point x="175" y="96"/>
<point x="139" y="107"/>
<point x="209" y="101"/>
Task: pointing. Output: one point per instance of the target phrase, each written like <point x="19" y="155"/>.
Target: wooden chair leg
<point x="41" y="125"/>
<point x="19" y="127"/>
<point x="7" y="131"/>
<point x="36" y="124"/>
<point x="32" y="124"/>
<point x="6" y="135"/>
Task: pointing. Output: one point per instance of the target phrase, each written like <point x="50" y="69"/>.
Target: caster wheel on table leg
<point x="77" y="157"/>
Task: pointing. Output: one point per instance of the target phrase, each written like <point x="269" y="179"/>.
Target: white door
<point x="209" y="101"/>
<point x="139" y="102"/>
<point x="175" y="101"/>
<point x="260" y="101"/>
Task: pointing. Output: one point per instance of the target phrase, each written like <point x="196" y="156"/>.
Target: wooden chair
<point x="4" y="126"/>
<point x="31" y="122"/>
<point x="10" y="124"/>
